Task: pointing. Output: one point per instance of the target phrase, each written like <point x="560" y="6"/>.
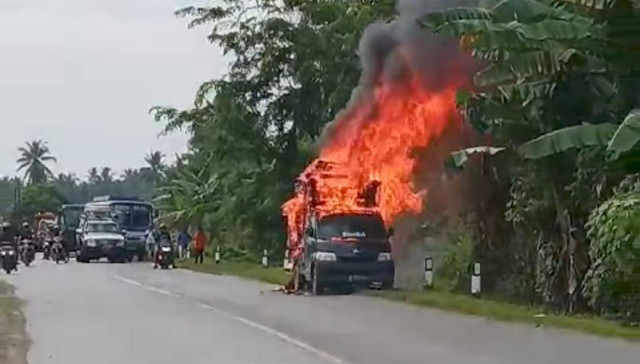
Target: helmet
<point x="162" y="227"/>
<point x="25" y="224"/>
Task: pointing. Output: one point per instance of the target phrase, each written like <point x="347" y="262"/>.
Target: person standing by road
<point x="199" y="243"/>
<point x="183" y="244"/>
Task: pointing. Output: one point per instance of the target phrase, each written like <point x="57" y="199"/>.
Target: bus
<point x="133" y="215"/>
<point x="68" y="220"/>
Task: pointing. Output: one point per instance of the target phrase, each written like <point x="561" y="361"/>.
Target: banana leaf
<point x="593" y="4"/>
<point x="459" y="157"/>
<point x="561" y="140"/>
<point x="627" y="136"/>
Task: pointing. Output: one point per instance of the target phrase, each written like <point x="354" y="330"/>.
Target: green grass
<point x="249" y="270"/>
<point x="441" y="299"/>
<point x="510" y="312"/>
<point x="14" y="342"/>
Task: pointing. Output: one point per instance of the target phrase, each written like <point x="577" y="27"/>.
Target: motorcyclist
<point x="26" y="232"/>
<point x="7" y="234"/>
<point x="163" y="240"/>
<point x="8" y="244"/>
<point x="58" y="242"/>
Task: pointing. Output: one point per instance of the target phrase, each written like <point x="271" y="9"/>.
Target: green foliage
<point x="627" y="136"/>
<point x="253" y="130"/>
<point x="40" y="197"/>
<point x="613" y="283"/>
<point x="456" y="262"/>
<point x="556" y="82"/>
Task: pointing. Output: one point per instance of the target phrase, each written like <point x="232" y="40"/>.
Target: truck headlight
<point x="120" y="243"/>
<point x="91" y="243"/>
<point x="384" y="257"/>
<point x="324" y="257"/>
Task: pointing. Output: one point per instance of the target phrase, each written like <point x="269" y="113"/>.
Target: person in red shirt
<point x="199" y="243"/>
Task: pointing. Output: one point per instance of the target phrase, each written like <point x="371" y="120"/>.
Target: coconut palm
<point x="105" y="175"/>
<point x="94" y="176"/>
<point x="155" y="160"/>
<point x="33" y="160"/>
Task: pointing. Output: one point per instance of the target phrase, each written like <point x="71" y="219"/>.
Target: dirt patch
<point x="14" y="342"/>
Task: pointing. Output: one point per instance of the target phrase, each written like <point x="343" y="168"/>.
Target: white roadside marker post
<point x="217" y="255"/>
<point x="265" y="258"/>
<point x="285" y="261"/>
<point x="476" y="283"/>
<point x="428" y="272"/>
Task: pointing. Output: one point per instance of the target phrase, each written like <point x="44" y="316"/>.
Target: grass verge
<point x="440" y="299"/>
<point x="504" y="311"/>
<point x="249" y="270"/>
<point x="14" y="342"/>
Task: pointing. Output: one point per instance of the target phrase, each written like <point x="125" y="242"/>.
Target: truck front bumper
<point x="358" y="274"/>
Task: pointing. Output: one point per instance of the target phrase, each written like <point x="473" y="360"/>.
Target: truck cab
<point x="346" y="250"/>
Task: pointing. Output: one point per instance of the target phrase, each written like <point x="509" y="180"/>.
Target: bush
<point x="456" y="262"/>
<point x="612" y="284"/>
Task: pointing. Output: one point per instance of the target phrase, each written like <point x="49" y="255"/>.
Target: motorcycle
<point x="46" y="249"/>
<point x="28" y="252"/>
<point x="9" y="258"/>
<point x="58" y="252"/>
<point x="164" y="257"/>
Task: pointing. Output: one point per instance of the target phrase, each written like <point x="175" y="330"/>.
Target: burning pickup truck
<point x="336" y="234"/>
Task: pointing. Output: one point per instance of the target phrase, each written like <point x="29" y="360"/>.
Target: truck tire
<point x="316" y="287"/>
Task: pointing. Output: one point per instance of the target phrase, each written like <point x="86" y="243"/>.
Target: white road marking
<point x="282" y="336"/>
<point x="150" y="288"/>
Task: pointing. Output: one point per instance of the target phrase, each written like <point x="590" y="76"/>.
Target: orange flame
<point x="378" y="141"/>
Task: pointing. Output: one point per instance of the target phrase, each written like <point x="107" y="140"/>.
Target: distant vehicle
<point x="132" y="214"/>
<point x="68" y="222"/>
<point x="101" y="238"/>
<point x="42" y="224"/>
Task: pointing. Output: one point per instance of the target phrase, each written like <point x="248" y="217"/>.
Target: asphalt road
<point x="103" y="313"/>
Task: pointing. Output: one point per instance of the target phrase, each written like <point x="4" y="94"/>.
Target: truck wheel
<point x="316" y="286"/>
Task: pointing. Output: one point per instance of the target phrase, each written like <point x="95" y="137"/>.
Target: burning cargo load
<point x="326" y="188"/>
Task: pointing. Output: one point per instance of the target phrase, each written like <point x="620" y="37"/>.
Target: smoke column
<point x="390" y="51"/>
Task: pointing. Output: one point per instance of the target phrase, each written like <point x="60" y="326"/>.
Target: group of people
<point x="23" y="240"/>
<point x="185" y="243"/>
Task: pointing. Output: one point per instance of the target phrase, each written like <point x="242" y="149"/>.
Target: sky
<point x="83" y="74"/>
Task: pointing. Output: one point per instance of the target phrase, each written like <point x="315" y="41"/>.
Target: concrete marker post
<point x="265" y="258"/>
<point x="428" y="272"/>
<point x="285" y="261"/>
<point x="217" y="255"/>
<point x="476" y="282"/>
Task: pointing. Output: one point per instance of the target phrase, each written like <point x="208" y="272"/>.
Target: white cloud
<point x="82" y="75"/>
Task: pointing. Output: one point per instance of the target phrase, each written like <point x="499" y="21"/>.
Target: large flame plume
<point x="405" y="101"/>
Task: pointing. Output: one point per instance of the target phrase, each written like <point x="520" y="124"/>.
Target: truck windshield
<point x="133" y="217"/>
<point x="71" y="217"/>
<point x="351" y="226"/>
<point x="102" y="228"/>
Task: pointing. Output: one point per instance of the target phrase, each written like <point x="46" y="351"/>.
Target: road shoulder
<point x="14" y="341"/>
<point x="443" y="300"/>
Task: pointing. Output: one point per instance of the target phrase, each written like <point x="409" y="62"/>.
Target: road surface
<point x="102" y="313"/>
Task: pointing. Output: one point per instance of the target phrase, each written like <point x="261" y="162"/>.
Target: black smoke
<point x="390" y="52"/>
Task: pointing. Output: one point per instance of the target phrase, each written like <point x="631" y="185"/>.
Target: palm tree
<point x="105" y="175"/>
<point x="155" y="160"/>
<point x="94" y="177"/>
<point x="128" y="174"/>
<point x="34" y="159"/>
